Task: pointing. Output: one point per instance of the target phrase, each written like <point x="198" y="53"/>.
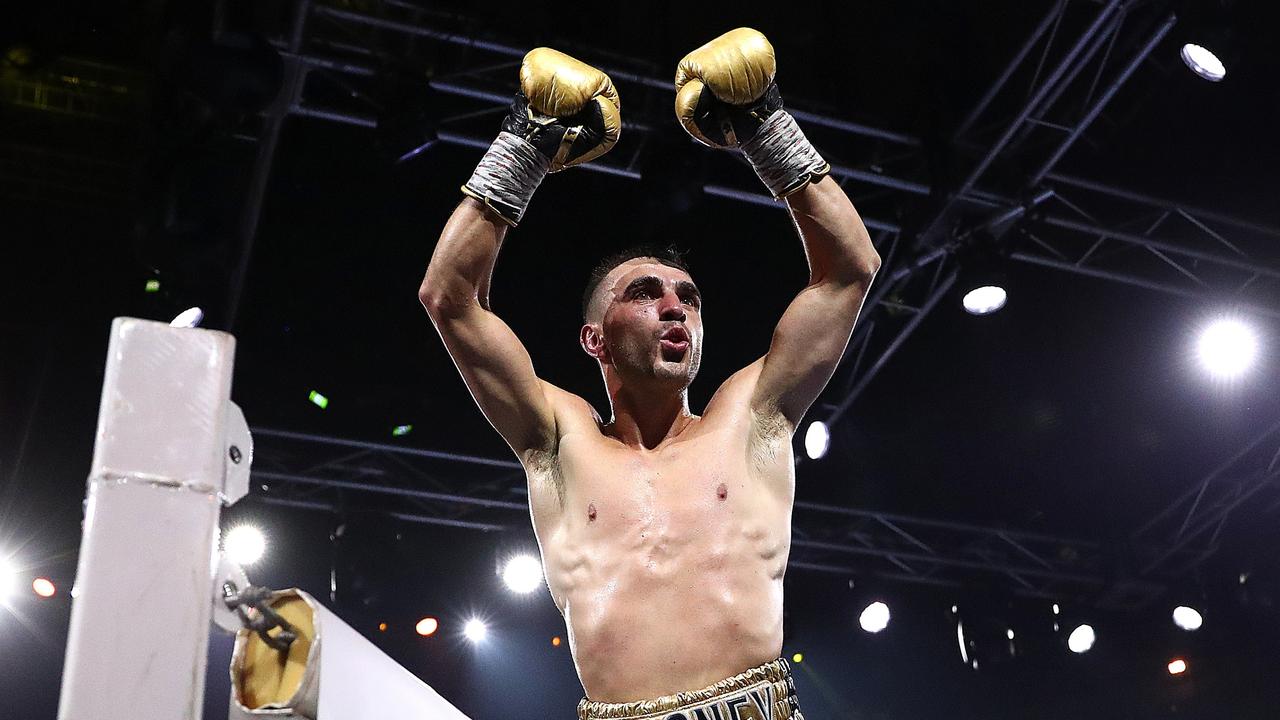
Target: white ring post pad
<point x="141" y="610"/>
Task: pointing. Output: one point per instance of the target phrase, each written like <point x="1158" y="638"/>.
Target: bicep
<point x="806" y="347"/>
<point x="499" y="373"/>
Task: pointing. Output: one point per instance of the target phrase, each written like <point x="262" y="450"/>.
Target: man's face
<point x="651" y="323"/>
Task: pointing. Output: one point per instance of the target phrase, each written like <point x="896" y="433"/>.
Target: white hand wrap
<point x="782" y="156"/>
<point x="507" y="176"/>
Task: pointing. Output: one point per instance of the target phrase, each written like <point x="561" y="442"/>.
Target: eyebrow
<point x="681" y="285"/>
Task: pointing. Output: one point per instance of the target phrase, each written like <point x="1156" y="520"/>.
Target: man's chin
<point x="674" y="369"/>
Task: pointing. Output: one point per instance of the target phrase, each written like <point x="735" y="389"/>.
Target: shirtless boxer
<point x="664" y="534"/>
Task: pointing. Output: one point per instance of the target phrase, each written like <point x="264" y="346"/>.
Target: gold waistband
<point x="776" y="673"/>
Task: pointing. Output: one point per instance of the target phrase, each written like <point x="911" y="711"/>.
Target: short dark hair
<point x="668" y="255"/>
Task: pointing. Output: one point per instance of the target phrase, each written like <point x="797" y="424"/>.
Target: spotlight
<point x="244" y="544"/>
<point x="985" y="299"/>
<point x="1187" y="618"/>
<point x="522" y="574"/>
<point x="875" y="617"/>
<point x="189" y="318"/>
<point x="43" y="587"/>
<point x="961" y="639"/>
<point x="1081" y="639"/>
<point x="555" y="641"/>
<point x="475" y="630"/>
<point x="1227" y="348"/>
<point x="427" y="626"/>
<point x="1177" y="666"/>
<point x="816" y="440"/>
<point x="982" y="276"/>
<point x="797" y="658"/>
<point x="401" y="430"/>
<point x="318" y="400"/>
<point x="1203" y="62"/>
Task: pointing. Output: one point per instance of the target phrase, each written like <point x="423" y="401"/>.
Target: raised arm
<point x="493" y="362"/>
<point x="726" y="97"/>
<point x="566" y="113"/>
<point x="811" y="337"/>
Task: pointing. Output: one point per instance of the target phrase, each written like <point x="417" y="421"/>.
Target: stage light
<point x="43" y="587"/>
<point x="1227" y="348"/>
<point x="427" y="626"/>
<point x="961" y="639"/>
<point x="875" y="617"/>
<point x="797" y="658"/>
<point x="1081" y="639"/>
<point x="189" y="318"/>
<point x="522" y="574"/>
<point x="1187" y="618"/>
<point x="555" y="641"/>
<point x="1177" y="666"/>
<point x="1009" y="633"/>
<point x="982" y="278"/>
<point x="382" y="627"/>
<point x="475" y="630"/>
<point x="816" y="440"/>
<point x="1203" y="62"/>
<point x="401" y="430"/>
<point x="244" y="544"/>
<point x="318" y="400"/>
<point x="152" y="286"/>
<point x="984" y="300"/>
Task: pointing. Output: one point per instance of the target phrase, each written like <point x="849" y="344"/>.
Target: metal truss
<point x="1187" y="531"/>
<point x="337" y="475"/>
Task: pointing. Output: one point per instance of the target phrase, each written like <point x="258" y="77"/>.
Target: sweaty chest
<point x="700" y="493"/>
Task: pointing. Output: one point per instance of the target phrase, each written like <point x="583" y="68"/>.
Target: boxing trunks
<point x="761" y="693"/>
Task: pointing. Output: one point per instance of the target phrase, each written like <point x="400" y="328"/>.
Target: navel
<point x="591" y="512"/>
<point x="722" y="492"/>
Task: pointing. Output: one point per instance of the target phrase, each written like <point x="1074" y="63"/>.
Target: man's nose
<point x="671" y="308"/>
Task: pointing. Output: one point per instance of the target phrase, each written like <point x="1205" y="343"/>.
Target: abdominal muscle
<point x="669" y="578"/>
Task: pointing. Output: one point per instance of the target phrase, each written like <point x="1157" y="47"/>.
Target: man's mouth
<point x="675" y="341"/>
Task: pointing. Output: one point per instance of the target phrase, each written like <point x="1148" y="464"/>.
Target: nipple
<point x="591" y="512"/>
<point x="722" y="492"/>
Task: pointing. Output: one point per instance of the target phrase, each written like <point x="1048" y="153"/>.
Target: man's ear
<point x="592" y="341"/>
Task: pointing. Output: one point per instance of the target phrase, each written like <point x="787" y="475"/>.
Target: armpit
<point x="770" y="432"/>
<point x="543" y="468"/>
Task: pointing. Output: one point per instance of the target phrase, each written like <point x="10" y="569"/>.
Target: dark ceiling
<point x="1076" y="410"/>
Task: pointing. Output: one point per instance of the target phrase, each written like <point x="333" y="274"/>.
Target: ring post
<point x="140" y="617"/>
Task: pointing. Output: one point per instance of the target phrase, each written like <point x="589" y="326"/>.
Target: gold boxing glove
<point x="565" y="114"/>
<point x="726" y="97"/>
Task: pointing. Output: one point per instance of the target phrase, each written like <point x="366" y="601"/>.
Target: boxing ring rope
<point x="170" y="451"/>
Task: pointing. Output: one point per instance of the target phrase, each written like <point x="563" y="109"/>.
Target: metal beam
<point x="615" y="73"/>
<point x="1102" y="101"/>
<point x="914" y="549"/>
<point x="940" y="216"/>
<point x="903" y="334"/>
<point x="1055" y="12"/>
<point x="1139" y="282"/>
